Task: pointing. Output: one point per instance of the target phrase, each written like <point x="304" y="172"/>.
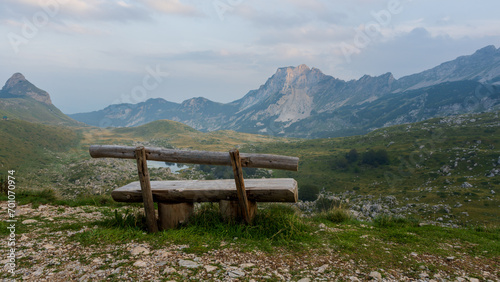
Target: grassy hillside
<point x="26" y="145"/>
<point x="437" y="166"/>
<point x="172" y="134"/>
<point x="33" y="111"/>
<point x="441" y="170"/>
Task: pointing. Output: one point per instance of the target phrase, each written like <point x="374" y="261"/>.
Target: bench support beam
<point x="245" y="205"/>
<point x="147" y="195"/>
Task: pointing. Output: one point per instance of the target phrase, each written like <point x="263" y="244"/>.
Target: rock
<point x="466" y="185"/>
<point x="423" y="275"/>
<point x="188" y="263"/>
<point x="169" y="270"/>
<point x="161" y="263"/>
<point x="29" y="221"/>
<point x="322" y="268"/>
<point x="235" y="273"/>
<point x="473" y="280"/>
<point x="210" y="268"/>
<point x="413" y="254"/>
<point x="140" y="263"/>
<point x="375" y="275"/>
<point x="304" y="280"/>
<point x="49" y="246"/>
<point x="139" y="250"/>
<point x="247" y="265"/>
<point x="450" y="258"/>
<point x="322" y="226"/>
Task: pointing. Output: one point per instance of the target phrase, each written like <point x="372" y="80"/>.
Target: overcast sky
<point x="89" y="54"/>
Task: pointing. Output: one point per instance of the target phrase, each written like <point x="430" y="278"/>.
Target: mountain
<point x="304" y="102"/>
<point x="20" y="99"/>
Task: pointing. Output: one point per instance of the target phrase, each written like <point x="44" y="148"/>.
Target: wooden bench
<point x="237" y="198"/>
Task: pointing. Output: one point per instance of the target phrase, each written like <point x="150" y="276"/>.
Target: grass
<point x="385" y="243"/>
<point x="418" y="154"/>
<point x="274" y="226"/>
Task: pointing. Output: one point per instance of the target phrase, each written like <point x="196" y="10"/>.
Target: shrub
<point x="308" y="192"/>
<point x="337" y="215"/>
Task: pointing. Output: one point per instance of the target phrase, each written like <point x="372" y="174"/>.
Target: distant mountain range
<point x="304" y="102"/>
<point x="297" y="101"/>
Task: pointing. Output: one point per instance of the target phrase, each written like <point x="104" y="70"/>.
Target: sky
<point x="89" y="54"/>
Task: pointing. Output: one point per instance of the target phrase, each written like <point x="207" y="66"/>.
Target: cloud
<point x="171" y="7"/>
<point x="288" y="16"/>
<point x="410" y="52"/>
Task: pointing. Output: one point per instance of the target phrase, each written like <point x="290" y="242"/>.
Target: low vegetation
<point x="397" y="247"/>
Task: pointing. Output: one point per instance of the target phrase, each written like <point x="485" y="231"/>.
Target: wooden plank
<point x="240" y="185"/>
<point x="179" y="191"/>
<point x="171" y="215"/>
<point x="197" y="157"/>
<point x="147" y="196"/>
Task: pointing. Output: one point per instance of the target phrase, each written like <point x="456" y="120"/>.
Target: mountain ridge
<point x="304" y="102"/>
<point x="20" y="99"/>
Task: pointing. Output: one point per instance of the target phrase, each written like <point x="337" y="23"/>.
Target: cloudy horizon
<point x="90" y="54"/>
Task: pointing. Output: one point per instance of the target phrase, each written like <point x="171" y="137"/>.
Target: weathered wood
<point x="230" y="210"/>
<point x="171" y="215"/>
<point x="147" y="196"/>
<point x="190" y="191"/>
<point x="197" y="157"/>
<point x="240" y="185"/>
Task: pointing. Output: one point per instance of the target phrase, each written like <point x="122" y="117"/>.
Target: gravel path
<point x="43" y="255"/>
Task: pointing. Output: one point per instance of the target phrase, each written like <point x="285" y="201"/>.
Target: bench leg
<point x="171" y="215"/>
<point x="231" y="210"/>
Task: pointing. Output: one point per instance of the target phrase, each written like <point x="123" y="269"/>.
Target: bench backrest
<point x="196" y="157"/>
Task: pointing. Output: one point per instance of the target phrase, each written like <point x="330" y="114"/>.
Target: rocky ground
<point x="43" y="254"/>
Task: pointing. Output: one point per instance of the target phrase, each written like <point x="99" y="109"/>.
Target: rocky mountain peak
<point x="13" y="80"/>
<point x="18" y="86"/>
<point x="487" y="51"/>
<point x="300" y="76"/>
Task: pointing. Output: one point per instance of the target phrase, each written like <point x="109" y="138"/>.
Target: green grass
<point x="274" y="226"/>
<point x="26" y="145"/>
<point x="416" y="154"/>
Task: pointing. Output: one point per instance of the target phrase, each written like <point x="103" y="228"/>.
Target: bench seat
<point x="190" y="191"/>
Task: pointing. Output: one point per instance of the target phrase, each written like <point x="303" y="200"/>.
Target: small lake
<point x="174" y="168"/>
